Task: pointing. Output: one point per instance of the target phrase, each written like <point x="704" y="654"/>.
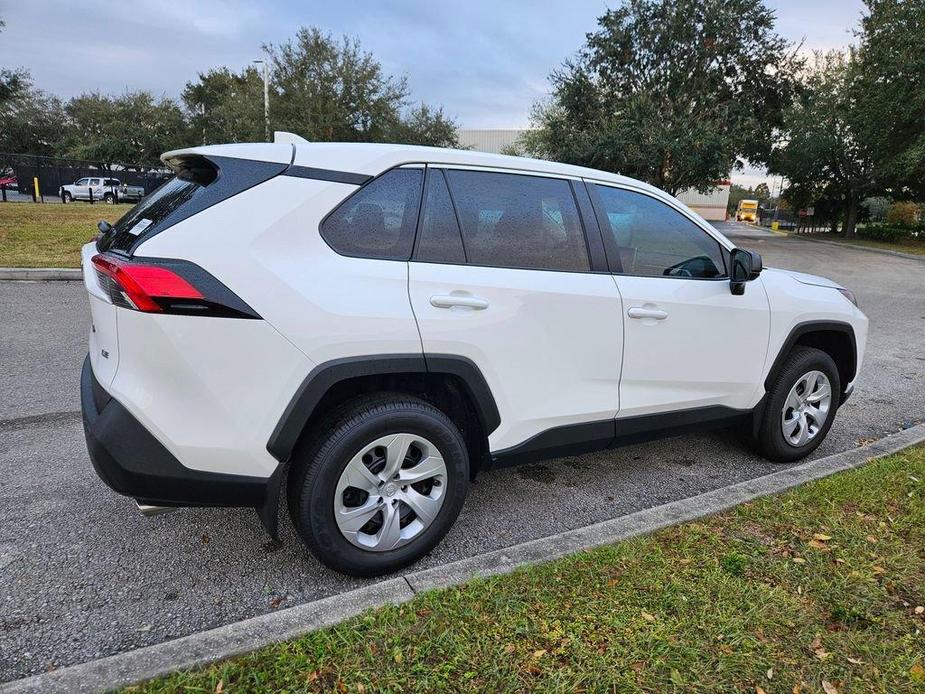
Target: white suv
<point x="375" y="324"/>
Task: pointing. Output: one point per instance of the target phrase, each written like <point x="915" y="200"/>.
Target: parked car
<point x="377" y="324"/>
<point x="9" y="182"/>
<point x="109" y="190"/>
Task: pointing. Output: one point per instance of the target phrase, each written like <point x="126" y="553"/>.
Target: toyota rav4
<point x="376" y="324"/>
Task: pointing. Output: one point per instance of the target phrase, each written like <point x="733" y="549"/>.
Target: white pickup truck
<point x="108" y="190"/>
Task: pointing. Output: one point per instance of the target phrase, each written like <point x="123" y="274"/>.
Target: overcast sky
<point x="486" y="62"/>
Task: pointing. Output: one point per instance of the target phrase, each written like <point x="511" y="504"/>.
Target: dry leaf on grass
<point x="648" y="617"/>
<point x="828" y="687"/>
<point x="821" y="537"/>
<point x="219" y="688"/>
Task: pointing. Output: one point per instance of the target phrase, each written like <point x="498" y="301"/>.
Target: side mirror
<point x="746" y="266"/>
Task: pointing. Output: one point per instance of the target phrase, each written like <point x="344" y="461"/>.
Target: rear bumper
<point x="131" y="461"/>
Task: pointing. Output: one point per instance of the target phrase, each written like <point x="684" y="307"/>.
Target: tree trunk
<point x="849" y="229"/>
<point x="836" y="213"/>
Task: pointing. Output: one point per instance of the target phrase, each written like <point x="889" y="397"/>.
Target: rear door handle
<point x="453" y="300"/>
<point x="640" y="312"/>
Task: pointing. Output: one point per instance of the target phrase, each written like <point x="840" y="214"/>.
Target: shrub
<point x="891" y="233"/>
<point x="903" y="213"/>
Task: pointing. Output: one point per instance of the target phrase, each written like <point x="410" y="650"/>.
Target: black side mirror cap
<point x="746" y="266"/>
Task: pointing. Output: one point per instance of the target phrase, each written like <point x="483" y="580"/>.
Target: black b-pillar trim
<point x="286" y="435"/>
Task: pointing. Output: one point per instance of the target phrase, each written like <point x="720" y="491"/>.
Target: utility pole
<point x="266" y="98"/>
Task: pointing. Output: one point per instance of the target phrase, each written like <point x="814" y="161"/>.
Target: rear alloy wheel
<point x="390" y="492"/>
<point x="381" y="486"/>
<point x="801" y="404"/>
<point x="109" y="199"/>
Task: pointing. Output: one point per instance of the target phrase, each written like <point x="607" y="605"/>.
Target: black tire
<point x="67" y="197"/>
<point x="318" y="465"/>
<point x="109" y="199"/>
<point x="770" y="441"/>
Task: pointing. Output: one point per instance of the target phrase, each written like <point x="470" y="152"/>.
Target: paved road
<point x="83" y="576"/>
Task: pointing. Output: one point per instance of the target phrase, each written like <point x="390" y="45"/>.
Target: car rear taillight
<point x="160" y="285"/>
<point x="141" y="286"/>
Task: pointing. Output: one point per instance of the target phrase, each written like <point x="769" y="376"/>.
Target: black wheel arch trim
<point x="323" y="377"/>
<point x="806" y="328"/>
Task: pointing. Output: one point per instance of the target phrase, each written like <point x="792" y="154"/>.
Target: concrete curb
<point x="41" y="274"/>
<point x="869" y="249"/>
<point x="241" y="637"/>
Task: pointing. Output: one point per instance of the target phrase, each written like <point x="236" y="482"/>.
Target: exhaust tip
<point x="148" y="510"/>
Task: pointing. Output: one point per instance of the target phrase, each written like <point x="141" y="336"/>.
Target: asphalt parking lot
<point x="82" y="575"/>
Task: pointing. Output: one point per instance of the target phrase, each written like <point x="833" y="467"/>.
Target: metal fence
<point x="54" y="172"/>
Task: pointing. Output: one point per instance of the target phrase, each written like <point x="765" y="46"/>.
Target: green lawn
<point x="50" y="234"/>
<point x="914" y="247"/>
<point x="819" y="589"/>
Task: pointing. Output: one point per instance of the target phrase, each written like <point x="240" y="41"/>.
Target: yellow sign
<point x="775" y="226"/>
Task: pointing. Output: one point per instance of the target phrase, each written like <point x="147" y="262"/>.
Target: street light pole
<point x="266" y="99"/>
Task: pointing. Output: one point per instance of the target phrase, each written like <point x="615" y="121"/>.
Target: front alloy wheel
<point x="801" y="404"/>
<point x="806" y="408"/>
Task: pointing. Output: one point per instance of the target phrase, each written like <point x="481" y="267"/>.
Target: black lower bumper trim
<point x="131" y="461"/>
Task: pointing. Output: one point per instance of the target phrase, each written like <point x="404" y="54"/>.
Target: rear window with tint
<point x="199" y="184"/>
<point x="518" y="221"/>
<point x="142" y="219"/>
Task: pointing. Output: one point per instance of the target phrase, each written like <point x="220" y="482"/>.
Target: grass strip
<point x="818" y="589"/>
<point x="50" y="234"/>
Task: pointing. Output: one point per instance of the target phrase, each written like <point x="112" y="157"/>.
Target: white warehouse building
<point x="711" y="206"/>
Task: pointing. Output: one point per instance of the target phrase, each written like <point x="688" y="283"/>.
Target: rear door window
<point x="439" y="240"/>
<point x="378" y="221"/>
<point x="518" y="221"/>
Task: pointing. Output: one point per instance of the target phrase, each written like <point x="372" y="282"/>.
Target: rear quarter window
<point x="378" y="220"/>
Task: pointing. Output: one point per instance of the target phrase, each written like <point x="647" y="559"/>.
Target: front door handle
<point x="640" y="312"/>
<point x="463" y="300"/>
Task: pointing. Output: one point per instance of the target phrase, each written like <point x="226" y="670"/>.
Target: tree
<point x="670" y="92"/>
<point x="134" y="128"/>
<point x="320" y="88"/>
<point x="425" y="125"/>
<point x="325" y="89"/>
<point x="33" y="122"/>
<point x="225" y="106"/>
<point x="822" y="153"/>
<point x="12" y="82"/>
<point x="889" y="93"/>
